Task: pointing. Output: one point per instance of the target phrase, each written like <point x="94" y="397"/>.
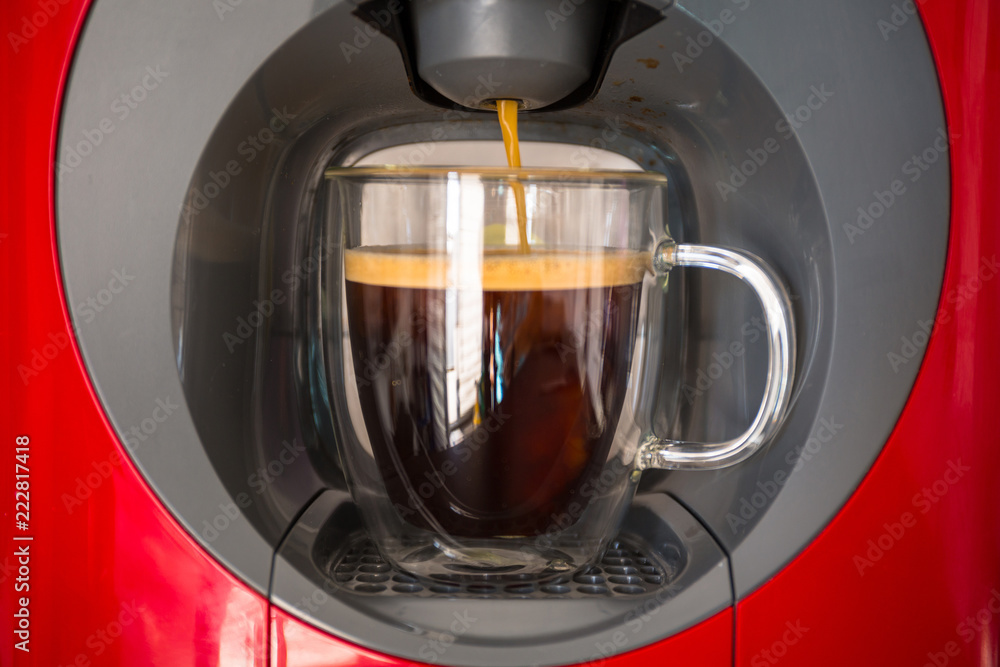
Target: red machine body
<point x="906" y="574"/>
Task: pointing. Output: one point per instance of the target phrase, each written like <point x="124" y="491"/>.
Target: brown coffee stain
<point x="651" y="63"/>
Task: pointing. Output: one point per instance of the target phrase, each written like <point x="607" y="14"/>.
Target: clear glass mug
<point x="484" y="397"/>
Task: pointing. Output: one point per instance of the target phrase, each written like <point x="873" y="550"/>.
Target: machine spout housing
<point x="537" y="51"/>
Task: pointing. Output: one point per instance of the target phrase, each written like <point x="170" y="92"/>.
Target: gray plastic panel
<point x="522" y="43"/>
<point x="879" y="108"/>
<point x="214" y="80"/>
<point x="558" y="630"/>
<point x="160" y="75"/>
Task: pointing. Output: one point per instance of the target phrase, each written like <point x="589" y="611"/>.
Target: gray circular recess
<point x="854" y="110"/>
<point x="148" y="86"/>
<point x="163" y="195"/>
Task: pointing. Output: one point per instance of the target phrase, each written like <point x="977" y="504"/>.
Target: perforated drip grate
<point x="623" y="570"/>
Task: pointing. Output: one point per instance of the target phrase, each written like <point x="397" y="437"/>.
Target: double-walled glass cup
<point x="483" y="331"/>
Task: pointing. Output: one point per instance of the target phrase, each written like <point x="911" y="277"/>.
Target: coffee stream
<point x="507" y="113"/>
<point x="527" y="330"/>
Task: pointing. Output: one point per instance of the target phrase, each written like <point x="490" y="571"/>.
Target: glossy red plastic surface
<point x="908" y="573"/>
<point x="115" y="580"/>
<point x="295" y="644"/>
<point x="111" y="578"/>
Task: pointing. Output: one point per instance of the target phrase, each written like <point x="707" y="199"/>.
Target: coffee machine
<point x="188" y="480"/>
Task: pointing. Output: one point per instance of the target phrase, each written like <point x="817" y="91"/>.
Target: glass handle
<point x="671" y="454"/>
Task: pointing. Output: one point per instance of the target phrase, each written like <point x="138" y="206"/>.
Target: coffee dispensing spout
<point x="547" y="54"/>
<point x="476" y="51"/>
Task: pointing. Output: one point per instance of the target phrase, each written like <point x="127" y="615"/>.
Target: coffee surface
<point x="500" y="269"/>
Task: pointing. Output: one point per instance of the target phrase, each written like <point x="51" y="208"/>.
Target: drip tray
<point x="625" y="569"/>
<point x="663" y="574"/>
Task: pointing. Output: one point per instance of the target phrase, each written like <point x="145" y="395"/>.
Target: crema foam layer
<point x="495" y="270"/>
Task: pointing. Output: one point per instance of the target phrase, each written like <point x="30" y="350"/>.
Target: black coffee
<point x="491" y="407"/>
